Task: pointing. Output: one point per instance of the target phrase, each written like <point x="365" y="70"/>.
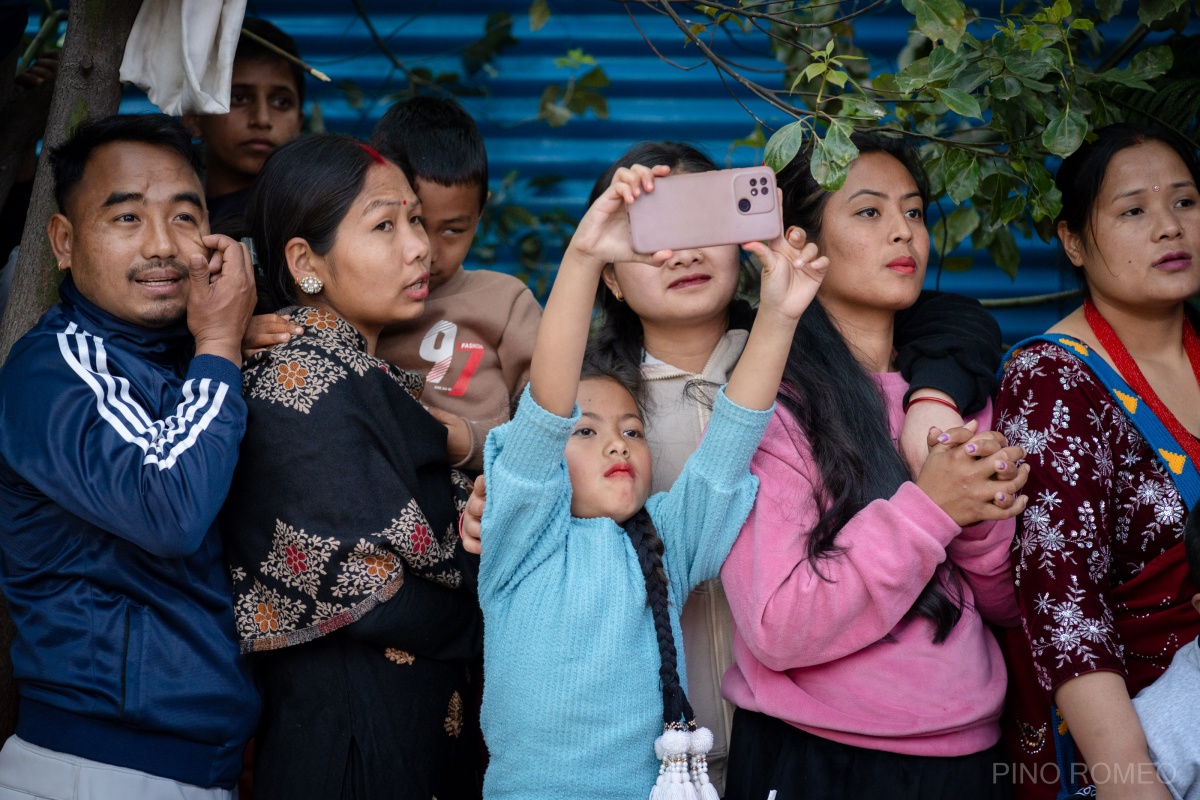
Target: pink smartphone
<point x="701" y="209"/>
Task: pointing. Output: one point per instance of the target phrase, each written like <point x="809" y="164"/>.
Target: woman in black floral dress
<point x="349" y="579"/>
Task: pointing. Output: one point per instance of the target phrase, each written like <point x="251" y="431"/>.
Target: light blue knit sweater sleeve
<point x="701" y="515"/>
<point x="528" y="506"/>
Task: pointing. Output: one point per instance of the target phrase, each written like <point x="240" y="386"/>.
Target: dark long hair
<point x="620" y="332"/>
<point x="304" y="190"/>
<point x="837" y="405"/>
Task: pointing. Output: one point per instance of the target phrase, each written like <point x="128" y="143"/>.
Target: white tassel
<point x="700" y="742"/>
<point x="674" y="781"/>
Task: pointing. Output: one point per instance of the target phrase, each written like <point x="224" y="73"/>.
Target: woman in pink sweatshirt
<point x="860" y="594"/>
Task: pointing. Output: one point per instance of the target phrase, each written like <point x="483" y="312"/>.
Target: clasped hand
<point x="974" y="476"/>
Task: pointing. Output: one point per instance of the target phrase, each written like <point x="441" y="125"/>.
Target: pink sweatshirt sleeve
<point x="789" y="615"/>
<point x="983" y="554"/>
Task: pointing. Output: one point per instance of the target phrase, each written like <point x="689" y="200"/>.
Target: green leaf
<point x="914" y="76"/>
<point x="594" y="78"/>
<point x="838" y="145"/>
<point x="1108" y="8"/>
<point x="1082" y="25"/>
<point x="1005" y="253"/>
<point x="597" y="103"/>
<point x="539" y="15"/>
<point x="1152" y="62"/>
<point x="1151" y="11"/>
<point x="1124" y="77"/>
<point x="574" y="59"/>
<point x="944" y="20"/>
<point x="783" y="145"/>
<point x="1064" y="133"/>
<point x="971" y="77"/>
<point x="1006" y="88"/>
<point x="960" y="103"/>
<point x="827" y="172"/>
<point x="854" y="106"/>
<point x="944" y="64"/>
<point x="1012" y="208"/>
<point x="950" y="230"/>
<point x="551" y="110"/>
<point x="1058" y="12"/>
<point x="962" y="182"/>
<point x="837" y="77"/>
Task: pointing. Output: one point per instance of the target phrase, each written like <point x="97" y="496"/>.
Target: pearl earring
<point x="311" y="285"/>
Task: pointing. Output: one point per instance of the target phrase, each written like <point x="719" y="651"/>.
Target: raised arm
<point x="601" y="238"/>
<point x="82" y="435"/>
<point x="792" y="273"/>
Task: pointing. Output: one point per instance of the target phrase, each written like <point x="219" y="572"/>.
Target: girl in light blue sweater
<point x="582" y="572"/>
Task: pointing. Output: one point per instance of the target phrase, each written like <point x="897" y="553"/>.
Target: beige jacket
<point x="677" y="414"/>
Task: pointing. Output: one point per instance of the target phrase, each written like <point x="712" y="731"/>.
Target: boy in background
<point x="1169" y="708"/>
<point x="475" y="339"/>
<point x="266" y="111"/>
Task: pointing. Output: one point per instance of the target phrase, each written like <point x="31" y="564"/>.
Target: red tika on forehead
<point x="373" y="153"/>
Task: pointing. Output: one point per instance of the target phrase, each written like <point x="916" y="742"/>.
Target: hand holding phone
<point x="703" y="209"/>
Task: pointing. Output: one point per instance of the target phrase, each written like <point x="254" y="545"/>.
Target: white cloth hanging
<point x="181" y="53"/>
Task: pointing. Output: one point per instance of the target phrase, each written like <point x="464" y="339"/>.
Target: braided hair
<point x="649" y="548"/>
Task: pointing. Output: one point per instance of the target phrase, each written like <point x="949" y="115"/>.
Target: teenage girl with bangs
<point x="861" y="589"/>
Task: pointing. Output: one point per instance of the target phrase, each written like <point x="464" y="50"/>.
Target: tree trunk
<point x="87" y="87"/>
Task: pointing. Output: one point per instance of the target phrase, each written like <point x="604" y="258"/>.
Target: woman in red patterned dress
<point x="1101" y="575"/>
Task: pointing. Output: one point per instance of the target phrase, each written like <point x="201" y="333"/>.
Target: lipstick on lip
<point x="1174" y="260"/>
<point x="689" y="280"/>
<point x="418" y="289"/>
<point x="906" y="265"/>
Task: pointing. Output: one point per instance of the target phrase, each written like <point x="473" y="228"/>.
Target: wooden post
<point x="87" y="87"/>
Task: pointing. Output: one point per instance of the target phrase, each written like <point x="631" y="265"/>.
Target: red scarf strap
<point x="1132" y="374"/>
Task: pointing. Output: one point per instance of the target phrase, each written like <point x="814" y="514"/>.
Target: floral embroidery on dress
<point x="298" y="559"/>
<point x="1100" y="508"/>
<point x="454" y="714"/>
<point x="413" y="539"/>
<point x="293" y="377"/>
<point x="399" y="656"/>
<point x="326" y="611"/>
<point x="366" y="569"/>
<point x="263" y="612"/>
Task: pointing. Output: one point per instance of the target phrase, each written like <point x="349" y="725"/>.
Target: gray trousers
<point x="29" y="772"/>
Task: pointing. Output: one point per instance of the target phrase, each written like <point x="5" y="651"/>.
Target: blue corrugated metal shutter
<point x="648" y="99"/>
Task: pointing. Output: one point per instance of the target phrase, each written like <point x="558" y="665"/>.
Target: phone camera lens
<point x="743" y="205"/>
<point x="754" y="181"/>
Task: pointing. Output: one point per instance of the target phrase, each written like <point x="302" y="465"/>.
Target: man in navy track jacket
<point x="120" y="419"/>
